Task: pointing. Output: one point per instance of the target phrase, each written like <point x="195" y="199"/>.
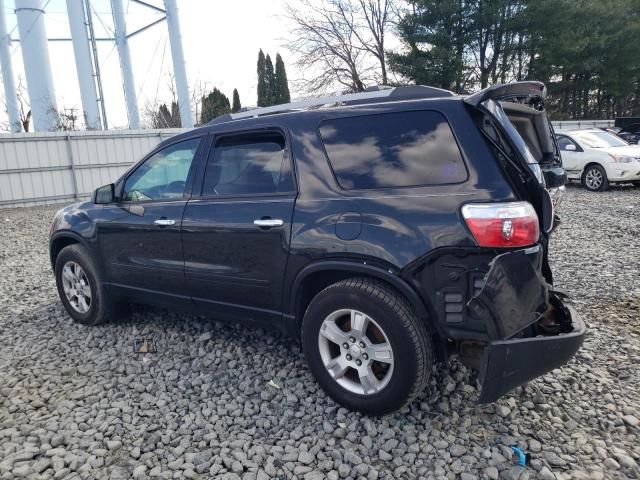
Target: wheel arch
<point x="312" y="279"/>
<point x="61" y="240"/>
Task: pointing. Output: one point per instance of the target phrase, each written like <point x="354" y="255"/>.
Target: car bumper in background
<point x="624" y="172"/>
<point x="509" y="363"/>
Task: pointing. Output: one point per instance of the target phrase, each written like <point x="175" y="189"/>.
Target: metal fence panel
<point x="41" y="168"/>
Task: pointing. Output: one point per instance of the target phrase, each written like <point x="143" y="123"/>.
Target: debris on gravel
<point x="76" y="402"/>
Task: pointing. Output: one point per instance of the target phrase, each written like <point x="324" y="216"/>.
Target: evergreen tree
<point x="263" y="88"/>
<point x="165" y="118"/>
<point x="214" y="104"/>
<point x="282" y="85"/>
<point x="270" y="77"/>
<point x="236" y="101"/>
<point x="442" y="26"/>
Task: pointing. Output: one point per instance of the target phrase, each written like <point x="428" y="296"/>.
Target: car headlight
<point x="622" y="158"/>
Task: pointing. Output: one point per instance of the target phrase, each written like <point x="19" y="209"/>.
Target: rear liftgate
<point x="531" y="331"/>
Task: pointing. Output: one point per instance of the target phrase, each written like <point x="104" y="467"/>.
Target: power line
<point x="153" y="57"/>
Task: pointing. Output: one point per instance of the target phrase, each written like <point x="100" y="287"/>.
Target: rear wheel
<point x="82" y="293"/>
<point x="366" y="347"/>
<point x="595" y="179"/>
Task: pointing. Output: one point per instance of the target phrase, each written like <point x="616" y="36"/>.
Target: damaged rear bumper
<point x="508" y="363"/>
<point x="516" y="302"/>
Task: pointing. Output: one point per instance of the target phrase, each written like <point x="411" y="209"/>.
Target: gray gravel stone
<point x="76" y="399"/>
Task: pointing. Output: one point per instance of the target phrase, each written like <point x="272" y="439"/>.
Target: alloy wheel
<point x="356" y="351"/>
<point x="593" y="178"/>
<point x="76" y="287"/>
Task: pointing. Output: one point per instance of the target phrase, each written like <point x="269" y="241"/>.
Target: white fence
<point x="41" y="168"/>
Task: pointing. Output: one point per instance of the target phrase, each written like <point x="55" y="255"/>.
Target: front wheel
<point x="366" y="347"/>
<point x="82" y="293"/>
<point x="595" y="179"/>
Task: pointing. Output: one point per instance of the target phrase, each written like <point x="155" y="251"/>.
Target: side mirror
<point x="104" y="194"/>
<point x="570" y="148"/>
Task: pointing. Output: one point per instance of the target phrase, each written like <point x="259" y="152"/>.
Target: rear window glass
<point x="400" y="149"/>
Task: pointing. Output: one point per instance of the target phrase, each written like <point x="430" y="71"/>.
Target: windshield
<point x="599" y="139"/>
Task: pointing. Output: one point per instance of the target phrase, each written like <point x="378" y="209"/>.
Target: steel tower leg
<point x="180" y="74"/>
<point x="125" y="63"/>
<point x="10" y="93"/>
<point x="37" y="67"/>
<point x="84" y="66"/>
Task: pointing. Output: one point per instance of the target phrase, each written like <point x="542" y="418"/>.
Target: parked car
<point x="630" y="133"/>
<point x="612" y="130"/>
<point x="384" y="230"/>
<point x="598" y="158"/>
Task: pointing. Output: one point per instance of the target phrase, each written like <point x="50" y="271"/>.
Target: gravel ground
<point x="225" y="401"/>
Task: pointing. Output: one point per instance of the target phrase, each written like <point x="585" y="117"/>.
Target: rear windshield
<point x="400" y="149"/>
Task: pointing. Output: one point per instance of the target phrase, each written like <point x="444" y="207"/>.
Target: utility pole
<point x="125" y="64"/>
<point x="10" y="93"/>
<point x="179" y="71"/>
<point x="84" y="66"/>
<point x="37" y="67"/>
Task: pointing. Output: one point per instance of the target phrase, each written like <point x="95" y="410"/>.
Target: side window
<point x="563" y="142"/>
<point x="162" y="176"/>
<point x="248" y="164"/>
<point x="400" y="149"/>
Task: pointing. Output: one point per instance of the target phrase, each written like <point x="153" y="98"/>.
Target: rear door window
<point x="401" y="149"/>
<point x="248" y="164"/>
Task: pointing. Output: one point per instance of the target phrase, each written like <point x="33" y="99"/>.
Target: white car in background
<point x="598" y="158"/>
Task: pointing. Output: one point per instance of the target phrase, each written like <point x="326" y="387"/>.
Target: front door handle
<point x="164" y="222"/>
<point x="268" y="222"/>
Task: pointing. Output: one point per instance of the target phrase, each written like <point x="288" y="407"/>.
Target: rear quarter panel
<point x="390" y="227"/>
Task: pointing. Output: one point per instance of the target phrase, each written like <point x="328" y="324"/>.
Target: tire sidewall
<point x="76" y="253"/>
<point x="605" y="181"/>
<point x="395" y="393"/>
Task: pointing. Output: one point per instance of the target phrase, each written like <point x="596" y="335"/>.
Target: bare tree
<point x="326" y="47"/>
<point x="67" y="120"/>
<point x="338" y="42"/>
<point x="23" y="103"/>
<point x="162" y="113"/>
<point x="376" y="16"/>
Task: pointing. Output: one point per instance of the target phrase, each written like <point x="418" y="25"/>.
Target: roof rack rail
<point x="375" y="94"/>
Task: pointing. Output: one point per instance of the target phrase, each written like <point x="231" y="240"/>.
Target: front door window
<point x="163" y="176"/>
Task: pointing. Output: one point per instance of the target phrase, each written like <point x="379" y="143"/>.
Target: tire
<point x="392" y="333"/>
<point x="595" y="179"/>
<point x="97" y="306"/>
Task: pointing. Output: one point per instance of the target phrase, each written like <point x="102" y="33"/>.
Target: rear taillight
<point x="513" y="224"/>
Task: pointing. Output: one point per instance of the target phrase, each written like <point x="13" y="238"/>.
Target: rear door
<point x="140" y="243"/>
<point x="236" y="233"/>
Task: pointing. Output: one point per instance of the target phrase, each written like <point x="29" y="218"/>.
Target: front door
<point x="236" y="233"/>
<point x="140" y="241"/>
<point x="572" y="156"/>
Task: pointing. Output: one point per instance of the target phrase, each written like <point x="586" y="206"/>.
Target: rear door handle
<point x="268" y="222"/>
<point x="164" y="222"/>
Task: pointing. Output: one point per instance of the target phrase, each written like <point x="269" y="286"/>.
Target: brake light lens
<point x="512" y="224"/>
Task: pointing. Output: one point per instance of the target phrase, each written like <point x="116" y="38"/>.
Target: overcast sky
<point x="220" y="39"/>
